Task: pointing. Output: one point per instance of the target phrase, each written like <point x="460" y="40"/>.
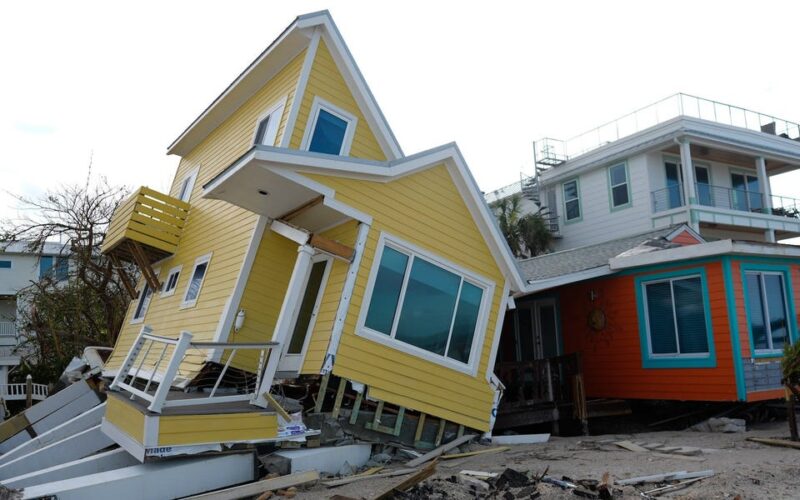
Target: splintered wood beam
<point x="123" y="277"/>
<point x="332" y="247"/>
<point x="144" y="265"/>
<point x="302" y="208"/>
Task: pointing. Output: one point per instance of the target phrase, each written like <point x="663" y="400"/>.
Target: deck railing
<point x="551" y="152"/>
<point x="153" y="363"/>
<point x="539" y="380"/>
<point x="8" y="329"/>
<point x="19" y="392"/>
<point x="724" y="197"/>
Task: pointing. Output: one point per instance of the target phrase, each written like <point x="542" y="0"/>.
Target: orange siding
<point x="684" y="238"/>
<point x="612" y="358"/>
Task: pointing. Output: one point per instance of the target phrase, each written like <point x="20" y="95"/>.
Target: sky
<point x="114" y="83"/>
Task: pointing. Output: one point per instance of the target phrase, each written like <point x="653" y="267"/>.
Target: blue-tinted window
<point x="5" y="264"/>
<point x="676" y="317"/>
<point x="45" y="265"/>
<point x="329" y="133"/>
<point x="439" y="311"/>
<point x="572" y="202"/>
<point x="62" y="268"/>
<point x="766" y="307"/>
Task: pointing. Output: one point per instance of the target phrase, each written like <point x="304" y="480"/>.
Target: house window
<point x="5" y="264"/>
<point x="331" y="129"/>
<point x="187" y="184"/>
<point x="767" y="310"/>
<point x="676" y="318"/>
<point x="572" y="201"/>
<point x="171" y="283"/>
<point x="196" y="281"/>
<point x="61" y="268"/>
<point x="141" y="305"/>
<point x="267" y="130"/>
<point x="45" y="265"/>
<point x="424" y="306"/>
<point x="619" y="186"/>
<point x="746" y="192"/>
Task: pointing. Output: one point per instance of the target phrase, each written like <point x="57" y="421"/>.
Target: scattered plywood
<point x="440" y="450"/>
<point x="630" y="446"/>
<point x="473" y="453"/>
<point x="407" y="483"/>
<point x="667" y="476"/>
<point x="776" y="442"/>
<point x="361" y="477"/>
<point x="258" y="487"/>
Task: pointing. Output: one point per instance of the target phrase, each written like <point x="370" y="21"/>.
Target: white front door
<point x="294" y="350"/>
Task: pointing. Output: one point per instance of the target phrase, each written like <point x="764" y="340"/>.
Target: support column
<point x="689" y="188"/>
<point x="766" y="193"/>
<point x="286" y="317"/>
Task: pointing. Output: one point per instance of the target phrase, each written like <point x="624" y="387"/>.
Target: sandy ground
<point x="742" y="468"/>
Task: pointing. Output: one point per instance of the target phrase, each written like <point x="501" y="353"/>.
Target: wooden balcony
<point x="146" y="228"/>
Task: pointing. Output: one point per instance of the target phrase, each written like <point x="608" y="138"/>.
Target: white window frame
<point x="351" y="120"/>
<point x="481" y="324"/>
<point x="678" y="354"/>
<point x="626" y="183"/>
<point x="766" y="318"/>
<point x="187" y="183"/>
<point x="139" y="299"/>
<point x="275" y="114"/>
<point x="169" y="293"/>
<point x="203" y="259"/>
<point x="577" y="199"/>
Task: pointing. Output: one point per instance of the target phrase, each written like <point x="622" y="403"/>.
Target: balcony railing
<point x="153" y="365"/>
<point x="724" y="197"/>
<point x="550" y="152"/>
<point x="19" y="392"/>
<point x="8" y="329"/>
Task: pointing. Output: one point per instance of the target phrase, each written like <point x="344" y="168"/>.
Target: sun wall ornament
<point x="597" y="319"/>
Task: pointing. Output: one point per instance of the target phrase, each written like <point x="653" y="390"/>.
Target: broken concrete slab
<point x="327" y="459"/>
<point x="101" y="462"/>
<point x="72" y="448"/>
<point x="154" y="480"/>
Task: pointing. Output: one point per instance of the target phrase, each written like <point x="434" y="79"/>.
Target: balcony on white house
<point x="8" y="333"/>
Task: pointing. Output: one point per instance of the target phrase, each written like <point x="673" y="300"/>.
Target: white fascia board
<point x="535" y="286"/>
<point x="672" y="254"/>
<point x="767" y="249"/>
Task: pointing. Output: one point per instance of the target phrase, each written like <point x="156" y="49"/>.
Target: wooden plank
<point x="323" y="388"/>
<point x="420" y="427"/>
<point x="332" y="247"/>
<point x="630" y="446"/>
<point x="667" y="476"/>
<point x="302" y="208"/>
<point x="144" y="266"/>
<point x="407" y="483"/>
<point x="337" y="404"/>
<point x="356" y="408"/>
<point x="278" y="408"/>
<point x="252" y="489"/>
<point x="440" y="450"/>
<point x="440" y="432"/>
<point x="361" y="477"/>
<point x="487" y="451"/>
<point x="679" y="457"/>
<point x="776" y="442"/>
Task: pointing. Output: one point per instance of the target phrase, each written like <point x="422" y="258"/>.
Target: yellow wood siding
<point x="212" y="226"/>
<point x="125" y="417"/>
<point x="175" y="430"/>
<point x="327" y="82"/>
<point x="321" y="334"/>
<point x="427" y="210"/>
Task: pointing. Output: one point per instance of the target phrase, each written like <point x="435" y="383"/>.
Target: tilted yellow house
<point x="298" y="239"/>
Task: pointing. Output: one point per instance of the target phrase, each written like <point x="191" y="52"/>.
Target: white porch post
<point x="766" y="192"/>
<point x="689" y="191"/>
<point x="283" y="326"/>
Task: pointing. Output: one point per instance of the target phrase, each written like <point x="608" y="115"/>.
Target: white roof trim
<point x="715" y="248"/>
<point x="301" y="28"/>
<point x="535" y="286"/>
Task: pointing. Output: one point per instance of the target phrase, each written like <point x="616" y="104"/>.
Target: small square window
<point x="5" y="264"/>
<point x="171" y="282"/>
<point x="196" y="281"/>
<point x="330" y="129"/>
<point x="267" y="129"/>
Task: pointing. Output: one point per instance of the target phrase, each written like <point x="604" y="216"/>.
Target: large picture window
<point x="427" y="305"/>
<point x="767" y="310"/>
<point x="675" y="320"/>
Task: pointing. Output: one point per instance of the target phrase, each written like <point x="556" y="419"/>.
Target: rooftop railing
<point x="724" y="197"/>
<point x="551" y="152"/>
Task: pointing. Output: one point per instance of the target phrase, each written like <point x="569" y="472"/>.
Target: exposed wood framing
<point x="337" y="404"/>
<point x="123" y="276"/>
<point x="142" y="261"/>
<point x="332" y="247"/>
<point x="277" y="407"/>
<point x="323" y="388"/>
<point x="356" y="408"/>
<point x="301" y="209"/>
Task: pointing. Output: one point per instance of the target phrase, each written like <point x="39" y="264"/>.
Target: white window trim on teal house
<point x="567" y="220"/>
<point x="275" y="114"/>
<point x="486" y="285"/>
<point x="140" y="302"/>
<point x="677" y="360"/>
<point x="168" y="292"/>
<point x="611" y="186"/>
<point x="788" y="303"/>
<point x="352" y="122"/>
<point x="187" y="185"/>
<point x="204" y="259"/>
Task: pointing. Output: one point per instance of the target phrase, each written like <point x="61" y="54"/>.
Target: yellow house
<point x="299" y="242"/>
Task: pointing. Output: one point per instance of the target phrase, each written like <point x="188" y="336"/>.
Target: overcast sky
<point x="117" y="82"/>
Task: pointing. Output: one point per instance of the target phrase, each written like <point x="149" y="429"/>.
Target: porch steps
<point x="100" y="462"/>
<point x="166" y="479"/>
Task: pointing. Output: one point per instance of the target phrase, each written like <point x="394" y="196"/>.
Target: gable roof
<point x="386" y="171"/>
<point x="291" y="42"/>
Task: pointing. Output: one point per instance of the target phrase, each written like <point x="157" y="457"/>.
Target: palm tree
<point x="528" y="234"/>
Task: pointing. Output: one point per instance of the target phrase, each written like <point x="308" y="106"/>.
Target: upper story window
<point x="767" y="310"/>
<point x="424" y="306"/>
<point x="268" y="123"/>
<point x="171" y="283"/>
<point x="196" y="280"/>
<point x="145" y="296"/>
<point x="619" y="185"/>
<point x="5" y="264"/>
<point x="676" y="317"/>
<point x="572" y="200"/>
<point x="330" y="129"/>
<point x="45" y="265"/>
<point x="187" y="184"/>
